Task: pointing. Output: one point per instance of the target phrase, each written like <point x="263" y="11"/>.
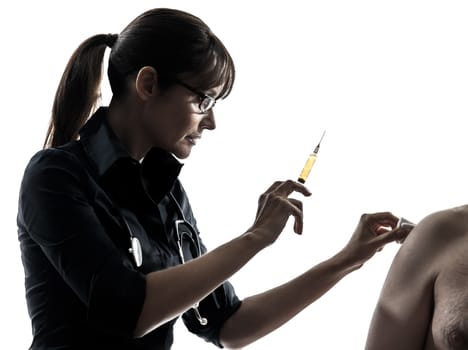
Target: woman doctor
<point x="110" y="247"/>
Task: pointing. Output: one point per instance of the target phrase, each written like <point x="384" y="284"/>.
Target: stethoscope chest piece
<point x="135" y="250"/>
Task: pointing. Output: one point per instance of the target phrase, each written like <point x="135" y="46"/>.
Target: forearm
<point x="263" y="313"/>
<point x="172" y="291"/>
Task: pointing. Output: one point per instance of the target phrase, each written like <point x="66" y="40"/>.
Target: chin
<point x="182" y="154"/>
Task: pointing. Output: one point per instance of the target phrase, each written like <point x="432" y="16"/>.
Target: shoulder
<point x="443" y="226"/>
<point x="434" y="237"/>
<point x="65" y="156"/>
<point x="50" y="165"/>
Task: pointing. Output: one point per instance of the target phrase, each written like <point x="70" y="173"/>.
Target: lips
<point x="193" y="138"/>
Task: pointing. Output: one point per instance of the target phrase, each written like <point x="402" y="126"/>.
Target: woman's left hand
<point x="372" y="233"/>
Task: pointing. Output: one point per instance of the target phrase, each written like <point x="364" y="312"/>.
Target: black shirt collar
<point x="100" y="143"/>
<point x="104" y="149"/>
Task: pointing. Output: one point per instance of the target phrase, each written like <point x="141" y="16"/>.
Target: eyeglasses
<point x="184" y="230"/>
<point x="207" y="102"/>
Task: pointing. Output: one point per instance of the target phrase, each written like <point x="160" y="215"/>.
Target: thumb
<point x="390" y="236"/>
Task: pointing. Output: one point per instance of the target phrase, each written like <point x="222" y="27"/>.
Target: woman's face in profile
<point x="174" y="122"/>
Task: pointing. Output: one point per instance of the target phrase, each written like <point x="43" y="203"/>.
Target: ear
<point x="146" y="83"/>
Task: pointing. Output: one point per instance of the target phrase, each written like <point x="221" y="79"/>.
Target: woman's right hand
<point x="274" y="209"/>
<point x="372" y="233"/>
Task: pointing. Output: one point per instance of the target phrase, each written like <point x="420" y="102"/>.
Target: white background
<point x="388" y="80"/>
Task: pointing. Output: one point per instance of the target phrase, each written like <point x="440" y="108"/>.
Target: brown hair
<point x="172" y="41"/>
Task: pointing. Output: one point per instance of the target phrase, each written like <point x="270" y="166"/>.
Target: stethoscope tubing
<point x="136" y="251"/>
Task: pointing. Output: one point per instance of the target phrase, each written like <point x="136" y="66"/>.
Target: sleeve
<point x="57" y="214"/>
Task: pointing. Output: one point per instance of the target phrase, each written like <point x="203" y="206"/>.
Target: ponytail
<point x="79" y="90"/>
<point x="174" y="42"/>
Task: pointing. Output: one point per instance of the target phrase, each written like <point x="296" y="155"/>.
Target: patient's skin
<point x="424" y="301"/>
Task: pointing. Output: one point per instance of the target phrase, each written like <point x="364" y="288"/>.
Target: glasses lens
<point x="207" y="103"/>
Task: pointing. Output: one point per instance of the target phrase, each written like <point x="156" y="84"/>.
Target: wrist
<point x="256" y="239"/>
<point x="345" y="261"/>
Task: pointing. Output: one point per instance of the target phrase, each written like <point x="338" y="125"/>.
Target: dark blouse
<point x="78" y="205"/>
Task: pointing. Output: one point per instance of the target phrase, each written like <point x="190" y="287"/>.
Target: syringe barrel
<point x="307" y="168"/>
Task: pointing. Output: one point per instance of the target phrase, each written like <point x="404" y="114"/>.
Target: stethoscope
<point x="186" y="231"/>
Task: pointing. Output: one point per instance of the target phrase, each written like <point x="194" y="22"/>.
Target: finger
<point x="403" y="232"/>
<point x="289" y="186"/>
<point x="299" y="218"/>
<point x="392" y="236"/>
<point x="384" y="215"/>
<point x="296" y="202"/>
<point x="273" y="187"/>
<point x="378" y="229"/>
<point x="381" y="219"/>
<point x="263" y="196"/>
<point x="294" y="208"/>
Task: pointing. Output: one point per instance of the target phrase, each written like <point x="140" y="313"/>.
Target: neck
<point x="124" y="122"/>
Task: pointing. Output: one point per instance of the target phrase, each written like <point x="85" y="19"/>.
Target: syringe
<point x="310" y="162"/>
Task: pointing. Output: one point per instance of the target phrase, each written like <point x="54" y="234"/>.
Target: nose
<point x="208" y="121"/>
